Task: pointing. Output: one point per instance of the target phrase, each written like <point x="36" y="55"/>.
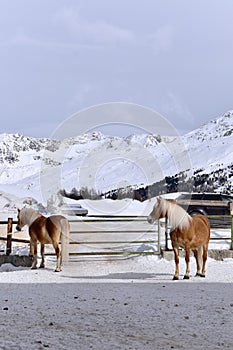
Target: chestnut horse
<point x="45" y="230"/>
<point x="187" y="232"/>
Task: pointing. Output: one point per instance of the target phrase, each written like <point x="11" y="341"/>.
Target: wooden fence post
<point x="9" y="236"/>
<point x="231" y="211"/>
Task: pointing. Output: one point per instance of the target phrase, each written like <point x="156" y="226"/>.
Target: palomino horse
<point x="186" y="232"/>
<point x="46" y="230"/>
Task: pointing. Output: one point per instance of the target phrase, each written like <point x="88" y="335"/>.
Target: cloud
<point x="66" y="29"/>
<point x="178" y="109"/>
<point x="162" y="40"/>
<point x="19" y="37"/>
<point x="81" y="95"/>
<point x="97" y="33"/>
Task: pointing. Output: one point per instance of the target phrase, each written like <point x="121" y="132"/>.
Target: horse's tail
<point x="65" y="231"/>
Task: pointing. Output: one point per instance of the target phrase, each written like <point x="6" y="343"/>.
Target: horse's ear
<point x="159" y="199"/>
<point x="18" y="210"/>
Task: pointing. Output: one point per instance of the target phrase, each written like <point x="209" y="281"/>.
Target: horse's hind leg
<point x="58" y="254"/>
<point x="205" y="254"/>
<point x="33" y="251"/>
<point x="31" y="248"/>
<point x="198" y="257"/>
<point x="42" y="256"/>
<point x="176" y="256"/>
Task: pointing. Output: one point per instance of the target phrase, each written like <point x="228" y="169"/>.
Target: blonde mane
<point x="28" y="216"/>
<point x="177" y="216"/>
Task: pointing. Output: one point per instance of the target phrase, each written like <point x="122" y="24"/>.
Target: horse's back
<point x="57" y="222"/>
<point x="201" y="220"/>
<point x="49" y="229"/>
<point x="57" y="217"/>
<point x="201" y="225"/>
<point x="38" y="231"/>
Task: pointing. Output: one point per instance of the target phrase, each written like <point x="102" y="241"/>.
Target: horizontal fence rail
<point x="118" y="235"/>
<point x="103" y="236"/>
<point x="113" y="236"/>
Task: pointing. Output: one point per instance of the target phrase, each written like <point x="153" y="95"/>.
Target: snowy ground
<point x="122" y="303"/>
<point x="116" y="316"/>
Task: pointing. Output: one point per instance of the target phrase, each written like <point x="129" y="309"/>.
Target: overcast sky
<point x="58" y="57"/>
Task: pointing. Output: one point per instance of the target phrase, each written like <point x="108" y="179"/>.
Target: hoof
<point x="33" y="268"/>
<point x="57" y="270"/>
<point x="41" y="266"/>
<point x="175" y="278"/>
<point x="200" y="275"/>
<point x="186" y="277"/>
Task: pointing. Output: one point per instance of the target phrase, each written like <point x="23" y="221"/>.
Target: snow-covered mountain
<point x="211" y="146"/>
<point x="39" y="168"/>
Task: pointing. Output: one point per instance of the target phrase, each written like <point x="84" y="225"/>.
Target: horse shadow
<point x="125" y="276"/>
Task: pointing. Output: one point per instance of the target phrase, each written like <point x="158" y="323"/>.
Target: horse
<point x="45" y="230"/>
<point x="187" y="232"/>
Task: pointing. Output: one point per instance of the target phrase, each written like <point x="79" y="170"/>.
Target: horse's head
<point x="26" y="216"/>
<point x="157" y="212"/>
<point x="23" y="218"/>
<point x="20" y="223"/>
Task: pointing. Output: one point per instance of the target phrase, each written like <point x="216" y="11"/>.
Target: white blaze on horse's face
<point x="150" y="219"/>
<point x="155" y="214"/>
<point x="19" y="223"/>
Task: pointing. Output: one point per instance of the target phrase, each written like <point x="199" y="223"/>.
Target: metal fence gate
<point x="113" y="236"/>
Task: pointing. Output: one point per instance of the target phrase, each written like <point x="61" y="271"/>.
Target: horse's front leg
<point x="33" y="252"/>
<point x="58" y="254"/>
<point x="31" y="248"/>
<point x="187" y="260"/>
<point x="42" y="256"/>
<point x="176" y="256"/>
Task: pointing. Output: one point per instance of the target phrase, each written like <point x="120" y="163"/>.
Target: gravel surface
<point x="130" y="304"/>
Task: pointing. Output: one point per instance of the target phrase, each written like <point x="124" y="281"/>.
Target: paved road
<point x="116" y="316"/>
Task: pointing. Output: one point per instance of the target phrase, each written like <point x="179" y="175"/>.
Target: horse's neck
<point x="178" y="217"/>
<point x="32" y="217"/>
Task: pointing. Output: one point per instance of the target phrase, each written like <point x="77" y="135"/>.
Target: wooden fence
<point x="102" y="236"/>
<point x="9" y="236"/>
<point x="115" y="236"/>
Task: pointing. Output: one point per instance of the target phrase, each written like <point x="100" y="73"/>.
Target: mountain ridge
<point x="106" y="162"/>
